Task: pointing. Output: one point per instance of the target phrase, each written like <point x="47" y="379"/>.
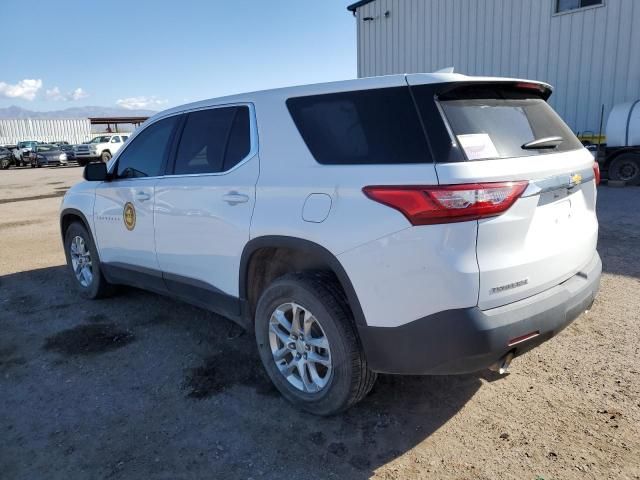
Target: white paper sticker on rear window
<point x="478" y="146"/>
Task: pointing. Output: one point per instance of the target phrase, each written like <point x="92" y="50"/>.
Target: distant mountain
<point x="73" y="112"/>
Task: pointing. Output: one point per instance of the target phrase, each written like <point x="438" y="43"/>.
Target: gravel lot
<point x="139" y="386"/>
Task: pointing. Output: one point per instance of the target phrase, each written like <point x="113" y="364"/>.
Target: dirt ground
<point x="139" y="386"/>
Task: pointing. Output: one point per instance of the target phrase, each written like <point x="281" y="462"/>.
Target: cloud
<point x="55" y="94"/>
<point x="133" y="103"/>
<point x="78" y="93"/>
<point x="25" y="89"/>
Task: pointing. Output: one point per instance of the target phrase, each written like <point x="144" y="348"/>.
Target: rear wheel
<point x="308" y="344"/>
<point x="84" y="263"/>
<point x="4" y="164"/>
<point x="626" y="168"/>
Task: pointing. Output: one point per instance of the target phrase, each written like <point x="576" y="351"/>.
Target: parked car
<point x="47" y="155"/>
<point x="418" y="224"/>
<point x="6" y="158"/>
<point x="102" y="148"/>
<point x="22" y="151"/>
<point x="68" y="150"/>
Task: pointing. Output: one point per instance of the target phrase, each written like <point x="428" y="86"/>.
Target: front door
<point x="123" y="212"/>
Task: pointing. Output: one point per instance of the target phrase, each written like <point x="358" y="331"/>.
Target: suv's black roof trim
<point x="352" y="8"/>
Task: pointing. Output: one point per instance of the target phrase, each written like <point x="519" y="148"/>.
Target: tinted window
<point x="363" y="127"/>
<point x="145" y="155"/>
<point x="498" y="128"/>
<point x="239" y="142"/>
<point x="213" y="140"/>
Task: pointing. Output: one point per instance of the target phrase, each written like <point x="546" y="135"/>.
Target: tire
<point x="97" y="287"/>
<point x="349" y="378"/>
<point x="626" y="168"/>
<point x="4" y="164"/>
<point x="82" y="163"/>
<point x="105" y="157"/>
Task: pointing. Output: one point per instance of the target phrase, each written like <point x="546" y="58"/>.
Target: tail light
<point x="428" y="205"/>
<point x="596" y="172"/>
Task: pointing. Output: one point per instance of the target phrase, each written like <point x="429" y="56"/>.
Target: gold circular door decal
<point x="129" y="216"/>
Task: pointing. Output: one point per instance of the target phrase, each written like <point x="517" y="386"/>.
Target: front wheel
<point x="626" y="168"/>
<point x="308" y="344"/>
<point x="4" y="164"/>
<point x="84" y="263"/>
<point x="105" y="157"/>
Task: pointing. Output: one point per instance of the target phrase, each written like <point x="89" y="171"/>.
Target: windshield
<point x="46" y="148"/>
<point x="100" y="140"/>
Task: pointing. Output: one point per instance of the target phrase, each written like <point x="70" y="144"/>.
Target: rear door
<point x="550" y="232"/>
<point x="204" y="205"/>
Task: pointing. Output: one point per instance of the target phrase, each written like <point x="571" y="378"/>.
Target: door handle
<point x="234" y="198"/>
<point x="142" y="196"/>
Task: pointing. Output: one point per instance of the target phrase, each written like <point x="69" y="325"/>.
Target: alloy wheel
<point x="81" y="261"/>
<point x="300" y="347"/>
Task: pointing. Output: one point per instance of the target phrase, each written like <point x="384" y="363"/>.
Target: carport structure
<point x="116" y="122"/>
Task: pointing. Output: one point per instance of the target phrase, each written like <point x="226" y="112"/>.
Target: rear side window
<point x="239" y="141"/>
<point x="213" y="140"/>
<point x="363" y="127"/>
<point x="146" y="154"/>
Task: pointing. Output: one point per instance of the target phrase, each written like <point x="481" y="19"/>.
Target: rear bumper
<point x="470" y="339"/>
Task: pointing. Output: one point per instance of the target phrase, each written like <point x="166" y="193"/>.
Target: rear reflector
<point x="523" y="338"/>
<point x="596" y="172"/>
<point x="428" y="205"/>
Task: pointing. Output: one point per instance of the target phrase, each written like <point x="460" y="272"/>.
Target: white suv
<point x="409" y="224"/>
<point x="102" y="147"/>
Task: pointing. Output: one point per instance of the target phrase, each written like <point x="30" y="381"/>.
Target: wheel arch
<point x="305" y="253"/>
<point x="68" y="216"/>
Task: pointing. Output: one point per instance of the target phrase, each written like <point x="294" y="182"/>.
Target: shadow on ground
<point x="619" y="230"/>
<point x="140" y="386"/>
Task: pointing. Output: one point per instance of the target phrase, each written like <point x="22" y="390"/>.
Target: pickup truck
<point x="102" y="148"/>
<point x="22" y="151"/>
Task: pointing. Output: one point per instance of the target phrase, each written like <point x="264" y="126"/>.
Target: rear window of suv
<point x="493" y="122"/>
<point x="379" y="126"/>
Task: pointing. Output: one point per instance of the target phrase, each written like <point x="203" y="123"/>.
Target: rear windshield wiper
<point x="546" y="142"/>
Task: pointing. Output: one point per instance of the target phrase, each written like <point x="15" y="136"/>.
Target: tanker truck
<point x="621" y="154"/>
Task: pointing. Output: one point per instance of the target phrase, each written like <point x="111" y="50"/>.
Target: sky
<point x="157" y="54"/>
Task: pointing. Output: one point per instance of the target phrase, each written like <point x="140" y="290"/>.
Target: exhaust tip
<point x="502" y="365"/>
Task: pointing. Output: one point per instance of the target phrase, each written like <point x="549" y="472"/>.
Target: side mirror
<point x="95" y="172"/>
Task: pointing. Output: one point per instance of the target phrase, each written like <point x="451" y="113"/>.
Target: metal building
<point x="589" y="50"/>
<point x="13" y="131"/>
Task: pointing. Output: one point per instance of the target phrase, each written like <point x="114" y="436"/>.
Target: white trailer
<point x="622" y="151"/>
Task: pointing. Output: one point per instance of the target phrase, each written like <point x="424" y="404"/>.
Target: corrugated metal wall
<point x="591" y="56"/>
<point x="44" y="130"/>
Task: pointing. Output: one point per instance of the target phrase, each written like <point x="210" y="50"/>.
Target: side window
<point x="115" y="139"/>
<point x="145" y="155"/>
<point x="124" y="138"/>
<point x="361" y="127"/>
<point x="210" y="142"/>
<point x="239" y="142"/>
